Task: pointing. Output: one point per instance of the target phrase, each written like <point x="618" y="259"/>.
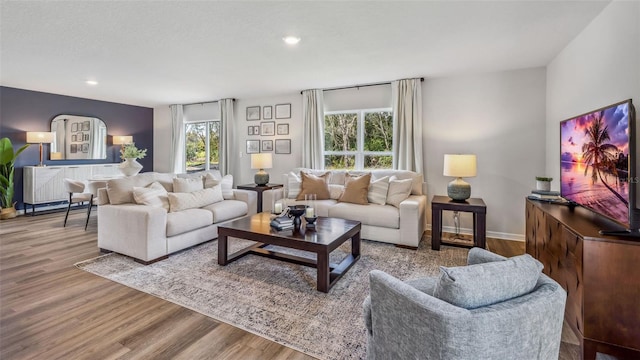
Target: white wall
<point x="500" y="118"/>
<point x="601" y="66"/>
<point x="162" y="139"/>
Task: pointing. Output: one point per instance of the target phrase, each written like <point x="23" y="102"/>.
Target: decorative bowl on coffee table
<point x="295" y="211"/>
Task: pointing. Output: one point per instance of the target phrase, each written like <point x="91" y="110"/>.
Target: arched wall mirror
<point x="78" y="137"/>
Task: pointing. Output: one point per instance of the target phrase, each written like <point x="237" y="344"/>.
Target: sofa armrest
<point x="269" y="197"/>
<point x="139" y="231"/>
<point x="103" y="196"/>
<point x="412" y="220"/>
<point x="250" y="197"/>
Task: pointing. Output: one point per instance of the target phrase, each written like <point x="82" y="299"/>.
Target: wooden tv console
<point x="601" y="275"/>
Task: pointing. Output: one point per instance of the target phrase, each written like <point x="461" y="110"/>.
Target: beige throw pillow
<point x="378" y="191"/>
<point x="195" y="199"/>
<point x="399" y="190"/>
<point x="187" y="185"/>
<point x="153" y="194"/>
<point x="312" y="184"/>
<point x="356" y="189"/>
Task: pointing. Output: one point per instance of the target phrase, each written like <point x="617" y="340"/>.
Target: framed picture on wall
<point x="283" y="111"/>
<point x="86" y="125"/>
<point x="85" y="148"/>
<point x="282" y="129"/>
<point x="268" y="128"/>
<point x="256" y="130"/>
<point x="253" y="112"/>
<point x="249" y="130"/>
<point x="73" y="149"/>
<point x="283" y="146"/>
<point x="253" y="146"/>
<point x="74" y="138"/>
<point x="266" y="112"/>
<point x="267" y="145"/>
<point x="74" y="127"/>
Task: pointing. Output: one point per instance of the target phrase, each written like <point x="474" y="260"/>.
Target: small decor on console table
<point x="129" y="153"/>
<point x="543" y="183"/>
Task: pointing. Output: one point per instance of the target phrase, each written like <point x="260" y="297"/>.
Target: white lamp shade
<point x="261" y="161"/>
<point x="35" y="137"/>
<point x="122" y="139"/>
<point x="460" y="165"/>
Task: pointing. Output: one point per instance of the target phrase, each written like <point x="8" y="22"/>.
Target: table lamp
<point x="39" y="137"/>
<point x="122" y="139"/>
<point x="459" y="166"/>
<point x="261" y="161"/>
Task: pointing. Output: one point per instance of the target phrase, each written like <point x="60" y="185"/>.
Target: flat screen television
<point x="598" y="164"/>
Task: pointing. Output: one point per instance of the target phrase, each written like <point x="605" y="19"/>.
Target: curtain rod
<point x="359" y="86"/>
<point x="205" y="102"/>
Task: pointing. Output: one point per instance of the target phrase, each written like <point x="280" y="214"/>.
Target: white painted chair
<point x="75" y="188"/>
<point x="94" y="185"/>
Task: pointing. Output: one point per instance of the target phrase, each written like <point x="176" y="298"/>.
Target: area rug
<point x="274" y="299"/>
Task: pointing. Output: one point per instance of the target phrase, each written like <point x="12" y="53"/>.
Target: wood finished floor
<point x="49" y="309"/>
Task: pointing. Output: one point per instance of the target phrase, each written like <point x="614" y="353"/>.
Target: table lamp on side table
<point x="459" y="166"/>
<point x="261" y="161"/>
<point x="39" y="137"/>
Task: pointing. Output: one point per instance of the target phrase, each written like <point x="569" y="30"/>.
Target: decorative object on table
<point x="282" y="129"/>
<point x="261" y="161"/>
<point x="268" y="128"/>
<point x="543" y="183"/>
<point x="310" y="211"/>
<point x="7" y="161"/>
<point x="544" y="195"/>
<point x="253" y="146"/>
<point x="39" y="137"/>
<point x="295" y="212"/>
<point x="283" y="111"/>
<point x="283" y="222"/>
<point x="459" y="166"/>
<point x="266" y="112"/>
<point x="267" y="145"/>
<point x="130" y="153"/>
<point x="253" y="112"/>
<point x="283" y="146"/>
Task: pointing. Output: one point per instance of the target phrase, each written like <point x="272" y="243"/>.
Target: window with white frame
<point x="202" y="145"/>
<point x="358" y="139"/>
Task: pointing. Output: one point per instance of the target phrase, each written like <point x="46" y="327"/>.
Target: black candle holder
<point x="311" y="221"/>
<point x="295" y="212"/>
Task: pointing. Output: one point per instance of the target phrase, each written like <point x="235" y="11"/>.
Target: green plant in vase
<point x="7" y="170"/>
<point x="129" y="153"/>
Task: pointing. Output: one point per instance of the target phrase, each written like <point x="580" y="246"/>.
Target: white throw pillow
<point x="398" y="191"/>
<point x="153" y="194"/>
<point x="187" y="185"/>
<point x="227" y="187"/>
<point x="210" y="181"/>
<point x="294" y="183"/>
<point x="335" y="191"/>
<point x="195" y="199"/>
<point x="378" y="191"/>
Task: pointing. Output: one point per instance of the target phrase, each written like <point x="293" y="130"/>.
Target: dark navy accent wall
<point x="25" y="110"/>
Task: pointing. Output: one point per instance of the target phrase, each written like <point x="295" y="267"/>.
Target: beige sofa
<point x="403" y="225"/>
<point x="152" y="231"/>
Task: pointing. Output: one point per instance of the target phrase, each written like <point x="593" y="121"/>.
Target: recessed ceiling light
<point x="291" y="40"/>
<point x="91" y="82"/>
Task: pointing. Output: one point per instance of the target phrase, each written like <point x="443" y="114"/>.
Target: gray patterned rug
<point x="274" y="299"/>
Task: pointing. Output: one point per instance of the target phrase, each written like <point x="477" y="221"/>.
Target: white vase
<point x="130" y="167"/>
<point x="543" y="185"/>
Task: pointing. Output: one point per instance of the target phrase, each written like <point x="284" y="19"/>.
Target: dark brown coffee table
<point x="328" y="235"/>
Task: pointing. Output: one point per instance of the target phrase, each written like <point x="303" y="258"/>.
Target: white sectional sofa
<point x="167" y="223"/>
<point x="403" y="225"/>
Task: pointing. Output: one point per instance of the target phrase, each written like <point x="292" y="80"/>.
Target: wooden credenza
<point x="601" y="275"/>
<point x="44" y="184"/>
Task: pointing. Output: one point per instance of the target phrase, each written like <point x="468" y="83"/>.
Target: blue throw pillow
<point x="478" y="285"/>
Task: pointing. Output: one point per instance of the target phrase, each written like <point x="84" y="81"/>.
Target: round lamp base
<point x="459" y="190"/>
<point x="261" y="179"/>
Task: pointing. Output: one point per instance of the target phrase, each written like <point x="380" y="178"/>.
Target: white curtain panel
<point x="407" y="132"/>
<point x="227" y="145"/>
<point x="313" y="133"/>
<point x="177" y="139"/>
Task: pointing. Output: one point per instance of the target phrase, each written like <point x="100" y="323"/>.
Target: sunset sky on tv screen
<point x="603" y="194"/>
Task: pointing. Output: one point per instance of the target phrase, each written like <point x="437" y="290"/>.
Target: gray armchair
<point x="405" y="321"/>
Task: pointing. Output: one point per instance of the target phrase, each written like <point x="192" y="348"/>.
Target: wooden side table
<point x="259" y="190"/>
<point x="473" y="205"/>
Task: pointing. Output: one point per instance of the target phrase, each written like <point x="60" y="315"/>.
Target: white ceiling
<point x="158" y="53"/>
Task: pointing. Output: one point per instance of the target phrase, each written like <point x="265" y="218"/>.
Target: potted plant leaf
<point x="7" y="161"/>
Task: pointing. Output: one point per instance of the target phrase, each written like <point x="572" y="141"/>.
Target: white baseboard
<point x="491" y="234"/>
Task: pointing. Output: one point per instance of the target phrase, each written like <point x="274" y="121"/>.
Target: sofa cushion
<point x="165" y="179"/>
<point x="335" y="191"/>
<point x="478" y="285"/>
<point x="398" y="191"/>
<point x="293" y="185"/>
<point x="378" y="189"/>
<point x="184" y="221"/>
<point x="195" y="199"/>
<point x="120" y="190"/>
<point x="356" y="189"/>
<point x="153" y="194"/>
<point x="227" y="210"/>
<point x="187" y="185"/>
<point x="312" y="184"/>
<point x="372" y="214"/>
